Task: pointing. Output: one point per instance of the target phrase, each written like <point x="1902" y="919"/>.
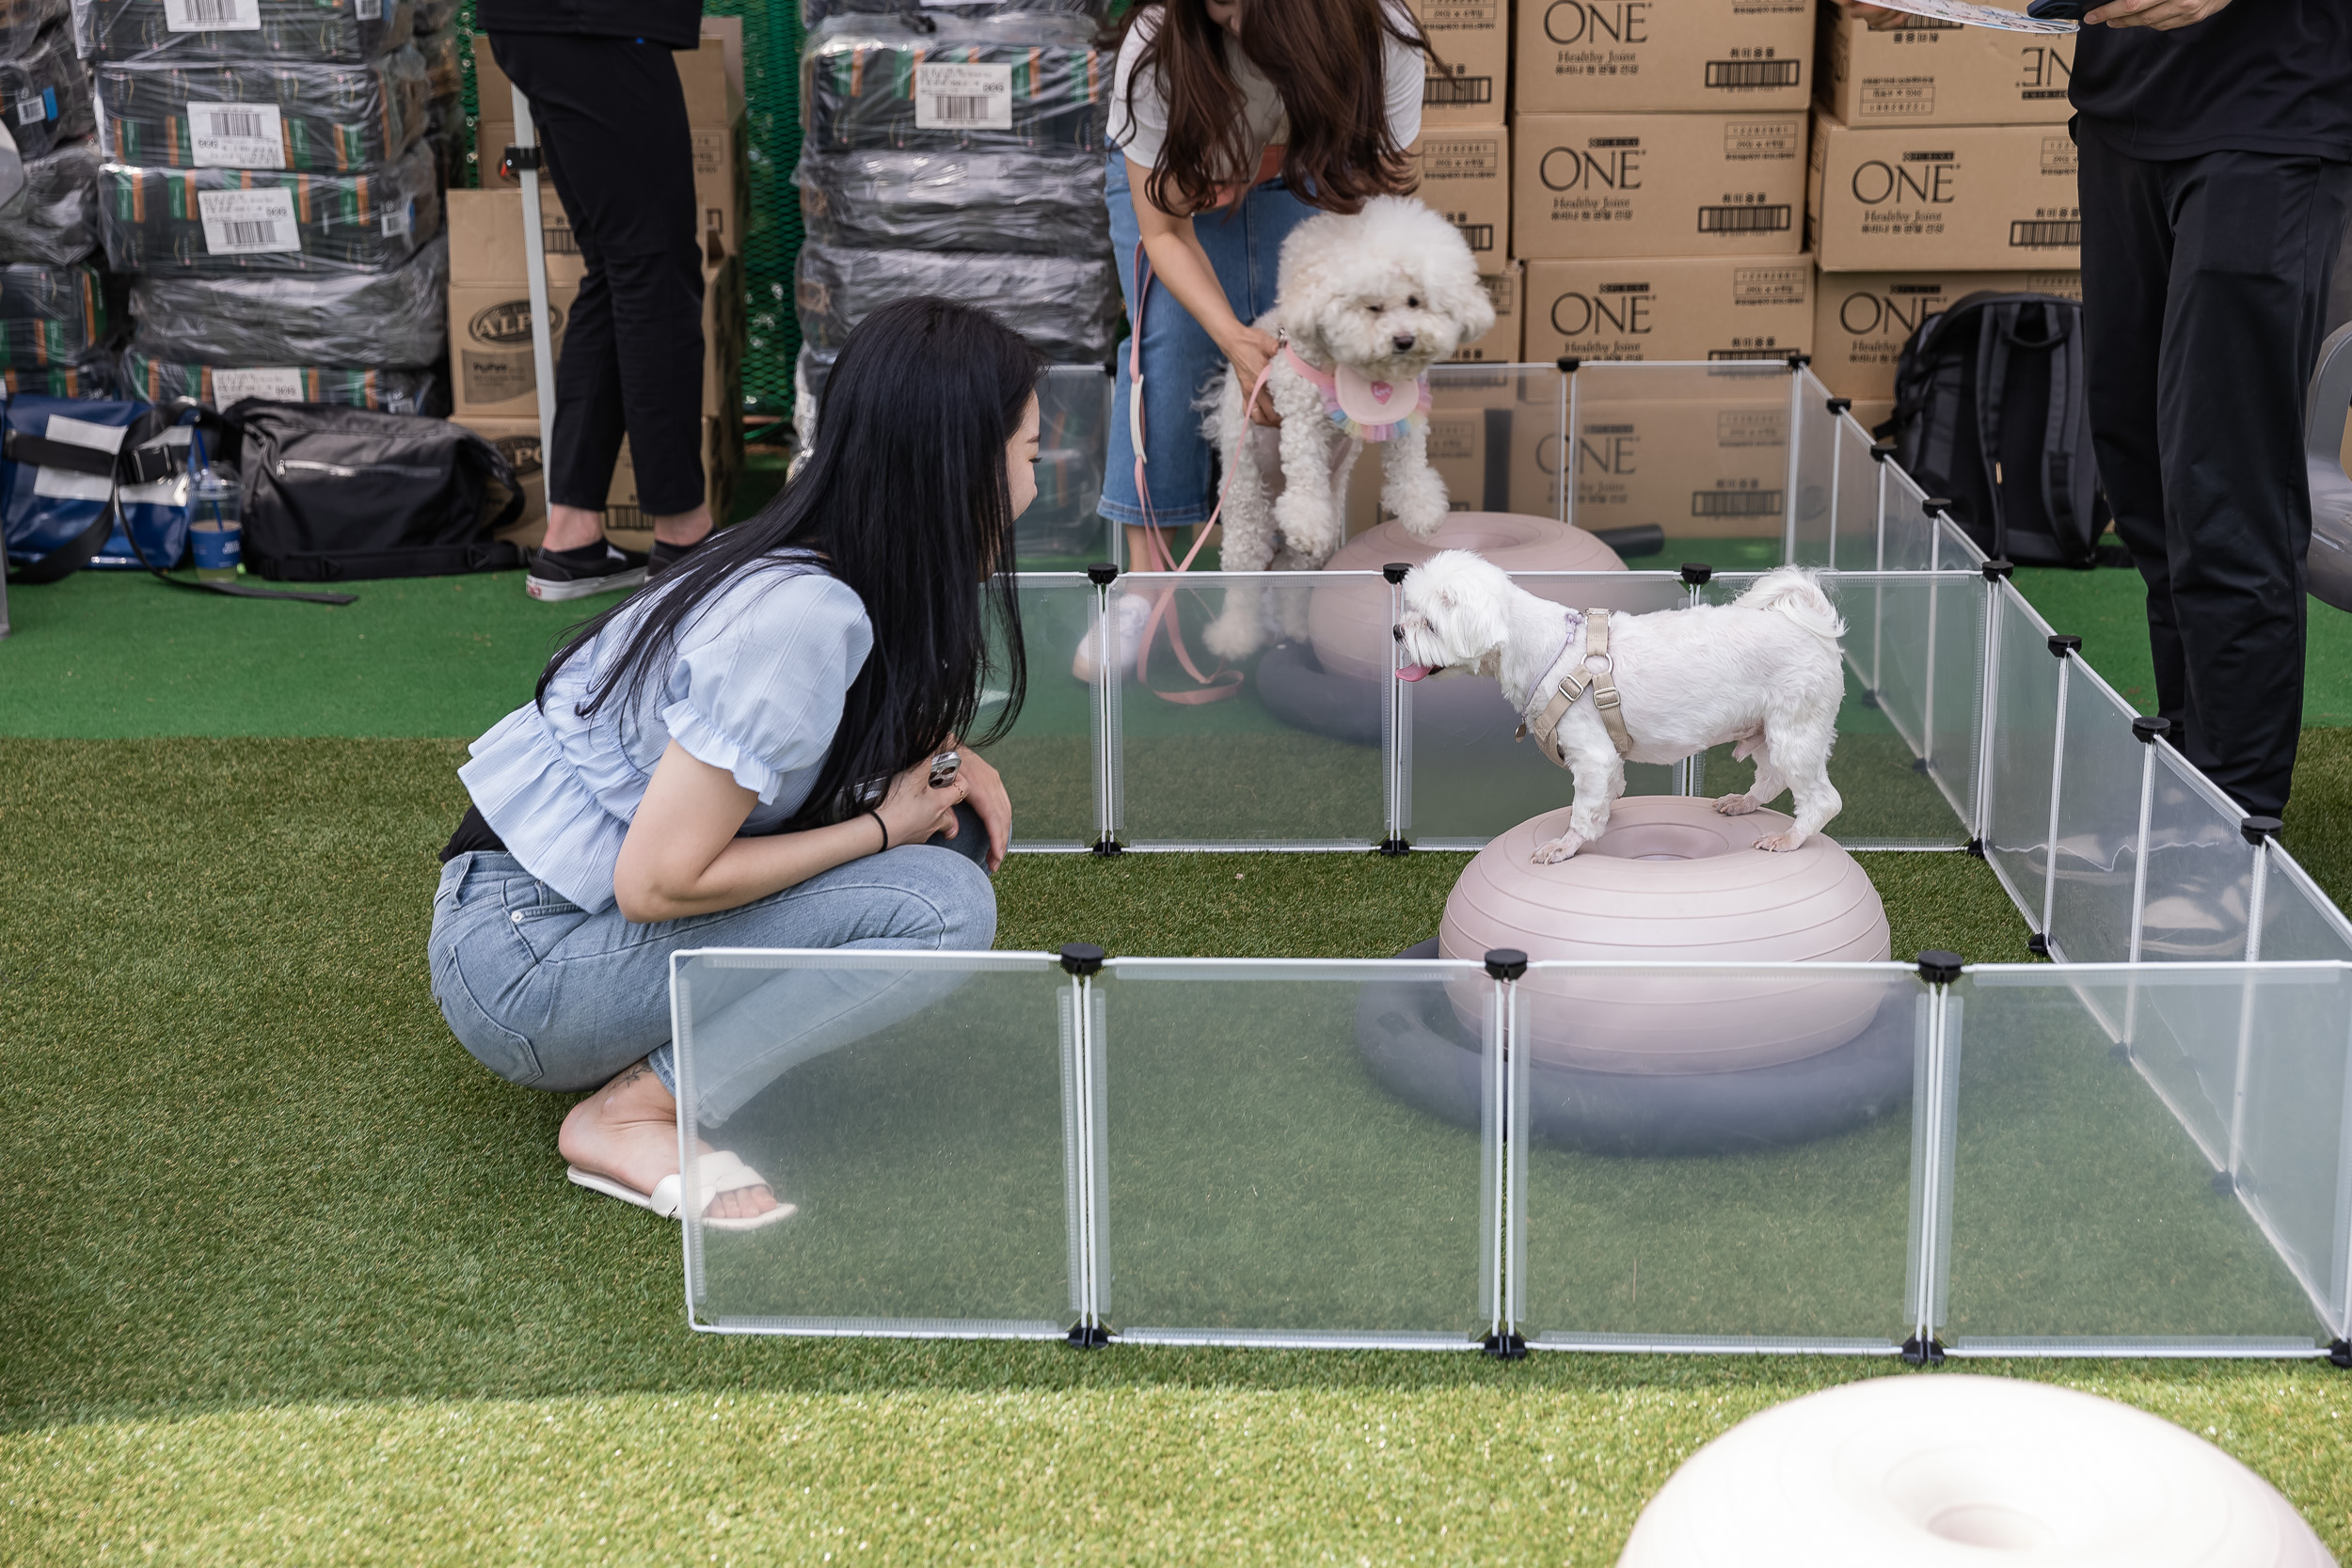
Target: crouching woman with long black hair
<point x="742" y="755"/>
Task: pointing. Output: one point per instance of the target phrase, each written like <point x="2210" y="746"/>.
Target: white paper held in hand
<point x="952" y="97"/>
<point x="248" y="223"/>
<point x="236" y="136"/>
<point x="1976" y="16"/>
<point x="208" y="16"/>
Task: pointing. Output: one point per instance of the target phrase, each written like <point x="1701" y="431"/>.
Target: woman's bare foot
<point x="627" y="1130"/>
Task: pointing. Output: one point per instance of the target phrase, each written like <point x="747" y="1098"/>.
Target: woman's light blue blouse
<point x="755" y="683"/>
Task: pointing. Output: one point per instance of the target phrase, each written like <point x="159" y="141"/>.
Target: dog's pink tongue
<point x="1412" y="673"/>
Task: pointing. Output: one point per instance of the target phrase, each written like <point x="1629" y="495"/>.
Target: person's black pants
<point x="611" y="118"/>
<point x="2205" y="293"/>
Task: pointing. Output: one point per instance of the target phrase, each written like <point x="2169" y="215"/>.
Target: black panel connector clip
<point x="1799" y="361"/>
<point x="1567" y="363"/>
<point x="1997" y="569"/>
<point x="1839" y="405"/>
<point x="1395" y="571"/>
<point x="1107" y="847"/>
<point x="1103" y="573"/>
<point x="2148" y="731"/>
<point x="1082" y="958"/>
<point x="1505" y="1347"/>
<point x="1393" y="846"/>
<point x="1923" y="1353"/>
<point x="2340" y="1354"/>
<point x="2065" y="643"/>
<point x="1089" y="1337"/>
<point x="1696" y="574"/>
<point x="1939" y="967"/>
<point x="1975" y="848"/>
<point x="2039" y="944"/>
<point x="1505" y="963"/>
<point x="1936" y="506"/>
<point x="2254" y="830"/>
<point x="1881" y="451"/>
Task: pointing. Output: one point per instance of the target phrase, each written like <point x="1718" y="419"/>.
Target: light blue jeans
<point x="547" y="995"/>
<point x="1245" y="245"/>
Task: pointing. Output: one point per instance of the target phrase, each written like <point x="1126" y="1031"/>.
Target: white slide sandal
<point x="722" y="1173"/>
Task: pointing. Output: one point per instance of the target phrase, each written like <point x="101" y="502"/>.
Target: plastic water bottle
<point x="213" y="525"/>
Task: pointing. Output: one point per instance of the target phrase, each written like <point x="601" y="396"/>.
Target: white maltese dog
<point x="1365" y="303"/>
<point x="1762" y="674"/>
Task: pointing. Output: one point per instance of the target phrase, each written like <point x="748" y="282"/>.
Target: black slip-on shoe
<point x="566" y="576"/>
<point x="666" y="555"/>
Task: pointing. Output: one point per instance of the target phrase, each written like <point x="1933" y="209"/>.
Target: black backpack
<point x="1990" y="411"/>
<point x="334" y="493"/>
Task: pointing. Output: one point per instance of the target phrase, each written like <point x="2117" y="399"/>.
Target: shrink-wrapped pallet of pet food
<point x="318" y="30"/>
<point x="224" y="221"/>
<point x="389" y="392"/>
<point x="994" y="83"/>
<point x="1037" y="204"/>
<point x="50" y="315"/>
<point x="1067" y="306"/>
<point x="21" y="21"/>
<point x="45" y="93"/>
<point x="331" y="119"/>
<point x="396" y="318"/>
<point x="53" y="219"/>
<point x="92" y="375"/>
<point x="814" y="12"/>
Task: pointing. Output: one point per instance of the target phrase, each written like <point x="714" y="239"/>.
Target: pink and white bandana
<point x="1363" y="408"/>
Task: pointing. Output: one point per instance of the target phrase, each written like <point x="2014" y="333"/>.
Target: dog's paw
<point x="1308" y="528"/>
<point x="1421" y="515"/>
<point x="1233" y="636"/>
<point x="1561" y="848"/>
<point x="1780" y="842"/>
<point x="1735" y="805"/>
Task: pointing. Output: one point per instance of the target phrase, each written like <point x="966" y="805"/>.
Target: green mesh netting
<point x="772" y="95"/>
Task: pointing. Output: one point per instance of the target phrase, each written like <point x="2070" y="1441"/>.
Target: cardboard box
<point x="1870" y="413"/>
<point x="1929" y="71"/>
<point x="721" y="181"/>
<point x="625" y="520"/>
<point x="1476" y="425"/>
<point x="1669" y="57"/>
<point x="1863" y="319"/>
<point x="1670" y="308"/>
<point x="1980" y="198"/>
<point x="494" y="375"/>
<point x="1466" y="174"/>
<point x="713" y="83"/>
<point x="1631" y="185"/>
<point x="485" y="239"/>
<point x="1473" y="39"/>
<point x="1507" y="290"/>
<point x="1709" y="468"/>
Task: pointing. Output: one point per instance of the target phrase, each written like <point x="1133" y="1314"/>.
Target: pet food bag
<point x="397" y="318"/>
<point x="49" y="315"/>
<point x="387" y="392"/>
<point x="996" y="84"/>
<point x="219" y="222"/>
<point x="1067" y="306"/>
<point x="53" y="219"/>
<point x="344" y="30"/>
<point x="814" y="12"/>
<point x="94" y="374"/>
<point x="45" y="94"/>
<point x="331" y="119"/>
<point x="1037" y="204"/>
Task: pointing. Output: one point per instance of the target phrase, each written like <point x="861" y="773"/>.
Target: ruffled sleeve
<point x="761" y="694"/>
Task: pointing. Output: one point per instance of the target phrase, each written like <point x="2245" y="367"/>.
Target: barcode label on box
<point x="1735" y="503"/>
<point x="399" y="220"/>
<point x="1747" y="354"/>
<point x="32" y="111"/>
<point x="206" y="16"/>
<point x="1735" y="75"/>
<point x="962" y="97"/>
<point x="1770" y="219"/>
<point x="1478" y="236"/>
<point x="2035" y="234"/>
<point x="248" y="223"/>
<point x="1456" y="93"/>
<point x="277" y="383"/>
<point x="236" y="136"/>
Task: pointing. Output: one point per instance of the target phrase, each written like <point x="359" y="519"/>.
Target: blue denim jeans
<point x="547" y="995"/>
<point x="1245" y="245"/>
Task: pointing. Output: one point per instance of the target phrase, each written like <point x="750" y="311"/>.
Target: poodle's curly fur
<point x="1391" y="291"/>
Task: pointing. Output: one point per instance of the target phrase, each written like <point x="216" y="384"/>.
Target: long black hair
<point x="904" y="497"/>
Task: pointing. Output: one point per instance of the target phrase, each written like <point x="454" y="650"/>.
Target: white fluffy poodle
<point x="1762" y="674"/>
<point x="1365" y="304"/>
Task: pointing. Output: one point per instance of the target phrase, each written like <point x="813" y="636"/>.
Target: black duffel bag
<point x="333" y="494"/>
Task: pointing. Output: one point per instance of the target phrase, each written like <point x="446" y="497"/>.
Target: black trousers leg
<point x="2204" y="284"/>
<point x="613" y="117"/>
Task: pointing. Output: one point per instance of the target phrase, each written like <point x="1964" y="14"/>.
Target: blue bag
<point x="88" y="482"/>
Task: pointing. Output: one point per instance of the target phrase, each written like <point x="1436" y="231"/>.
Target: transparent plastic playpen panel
<point x="1298" y="1152"/>
<point x="1062" y="527"/>
<point x="1854" y="544"/>
<point x="1887" y="800"/>
<point x="1912" y="542"/>
<point x="1471" y="779"/>
<point x="2098" y="835"/>
<point x="914" y="1108"/>
<point x="1264" y="751"/>
<point x="1714" y="1156"/>
<point x="1494" y="438"/>
<point x="2298" y="921"/>
<point x="1049" y="758"/>
<point x="2084" y="1200"/>
<point x="2024" y="742"/>
<point x="1958" y="623"/>
<point x="2201" y="869"/>
<point x="1699" y="450"/>
<point x="1820" y="477"/>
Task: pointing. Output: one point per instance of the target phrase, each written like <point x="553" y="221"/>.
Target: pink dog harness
<point x="1364" y="409"/>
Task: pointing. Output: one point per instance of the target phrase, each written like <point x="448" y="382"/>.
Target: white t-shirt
<point x="1141" y="135"/>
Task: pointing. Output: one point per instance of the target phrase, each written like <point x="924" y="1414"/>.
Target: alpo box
<point x="1926" y="72"/>
<point x="1631" y="185"/>
<point x="1670" y="308"/>
<point x="1978" y="199"/>
<point x="1657" y="57"/>
<point x="1473" y="39"/>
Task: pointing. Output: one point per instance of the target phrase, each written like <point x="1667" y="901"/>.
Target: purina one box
<point x="1929" y="71"/>
<point x="1506" y="289"/>
<point x="1670" y="308"/>
<point x="1971" y="198"/>
<point x="1465" y="173"/>
<point x="1705" y="469"/>
<point x="1473" y="39"/>
<point x="1633" y="185"/>
<point x="1864" y="318"/>
<point x="1699" y="57"/>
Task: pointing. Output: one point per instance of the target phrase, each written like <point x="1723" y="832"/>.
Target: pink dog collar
<point x="1363" y="408"/>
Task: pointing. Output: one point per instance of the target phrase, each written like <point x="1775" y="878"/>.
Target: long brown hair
<point x="1325" y="57"/>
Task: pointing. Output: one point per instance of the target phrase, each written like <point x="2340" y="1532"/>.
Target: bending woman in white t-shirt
<point x="1231" y="123"/>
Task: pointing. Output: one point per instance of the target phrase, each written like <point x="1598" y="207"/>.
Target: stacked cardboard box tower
<point x="493" y="372"/>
